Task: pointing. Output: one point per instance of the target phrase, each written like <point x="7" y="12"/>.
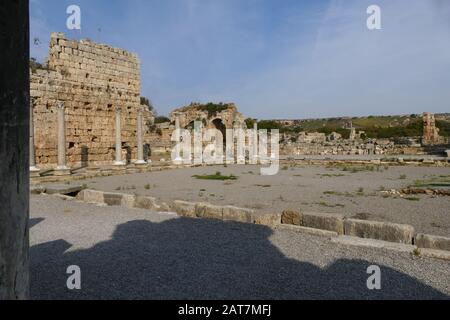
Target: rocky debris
<point x="426" y="191"/>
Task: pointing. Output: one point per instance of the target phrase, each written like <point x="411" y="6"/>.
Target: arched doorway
<point x="219" y="125"/>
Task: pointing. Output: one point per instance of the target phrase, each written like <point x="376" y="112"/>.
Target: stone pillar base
<point x="141" y="164"/>
<point x="120" y="163"/>
<point x="62" y="171"/>
<point x="119" y="167"/>
<point x="35" y="172"/>
<point x="92" y="169"/>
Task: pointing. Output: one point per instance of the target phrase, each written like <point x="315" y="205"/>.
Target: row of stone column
<point x="62" y="168"/>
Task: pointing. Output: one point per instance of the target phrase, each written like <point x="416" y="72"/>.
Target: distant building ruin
<point x="430" y="131"/>
<point x="219" y="116"/>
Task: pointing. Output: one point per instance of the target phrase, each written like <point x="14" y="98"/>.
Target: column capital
<point x="61" y="105"/>
<point x="118" y="110"/>
<point x="32" y="102"/>
<point x="140" y="109"/>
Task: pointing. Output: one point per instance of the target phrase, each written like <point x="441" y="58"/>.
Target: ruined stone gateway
<point x="213" y="116"/>
<point x="92" y="80"/>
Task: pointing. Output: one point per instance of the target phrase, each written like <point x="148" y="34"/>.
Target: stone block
<point x="184" y="208"/>
<point x="128" y="200"/>
<point x="400" y="233"/>
<point x="113" y="199"/>
<point x="291" y="217"/>
<point x="432" y="242"/>
<point x="143" y="202"/>
<point x="206" y="210"/>
<point x="231" y="213"/>
<point x="91" y="196"/>
<point x="325" y="221"/>
<point x="268" y="219"/>
<point x="163" y="207"/>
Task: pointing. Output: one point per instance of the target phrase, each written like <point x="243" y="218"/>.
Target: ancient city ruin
<point x="90" y="123"/>
<point x="86" y="111"/>
<point x="94" y="204"/>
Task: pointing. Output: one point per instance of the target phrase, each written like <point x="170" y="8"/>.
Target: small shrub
<point x="216" y="176"/>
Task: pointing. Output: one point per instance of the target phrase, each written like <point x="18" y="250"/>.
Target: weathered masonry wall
<point x="92" y="80"/>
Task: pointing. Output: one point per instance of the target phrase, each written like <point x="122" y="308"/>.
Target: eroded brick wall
<point x="92" y="80"/>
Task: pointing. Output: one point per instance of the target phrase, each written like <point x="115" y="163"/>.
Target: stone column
<point x="178" y="159"/>
<point x="14" y="140"/>
<point x="118" y="161"/>
<point x="140" y="144"/>
<point x="62" y="168"/>
<point x="255" y="142"/>
<point x="34" y="171"/>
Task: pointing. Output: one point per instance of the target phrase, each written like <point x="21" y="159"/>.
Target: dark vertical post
<point x="14" y="149"/>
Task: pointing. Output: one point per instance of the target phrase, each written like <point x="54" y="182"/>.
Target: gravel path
<point x="136" y="254"/>
<point x="310" y="188"/>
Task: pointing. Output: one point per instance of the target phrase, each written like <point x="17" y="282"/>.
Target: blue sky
<point x="274" y="59"/>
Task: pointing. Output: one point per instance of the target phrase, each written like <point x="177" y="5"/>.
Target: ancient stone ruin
<point x="220" y="116"/>
<point x="90" y="83"/>
<point x="86" y="111"/>
<point x="430" y="132"/>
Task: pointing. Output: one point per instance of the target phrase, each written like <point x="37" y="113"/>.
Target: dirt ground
<point x="354" y="191"/>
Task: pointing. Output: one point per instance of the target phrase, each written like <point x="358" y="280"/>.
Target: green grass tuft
<point x="216" y="176"/>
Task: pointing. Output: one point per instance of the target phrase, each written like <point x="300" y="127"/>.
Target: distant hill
<point x="374" y="126"/>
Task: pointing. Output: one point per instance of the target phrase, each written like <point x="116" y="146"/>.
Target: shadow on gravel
<point x="35" y="221"/>
<point x="203" y="259"/>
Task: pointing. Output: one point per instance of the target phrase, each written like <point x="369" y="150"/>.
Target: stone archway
<point x="219" y="125"/>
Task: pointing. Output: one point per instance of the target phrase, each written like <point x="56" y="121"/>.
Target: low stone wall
<point x="182" y="208"/>
<point x="385" y="231"/>
<point x="329" y="225"/>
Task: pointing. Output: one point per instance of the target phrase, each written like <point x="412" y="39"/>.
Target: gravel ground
<point x="136" y="254"/>
<point x="310" y="188"/>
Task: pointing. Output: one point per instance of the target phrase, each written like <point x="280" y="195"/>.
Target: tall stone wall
<point x="92" y="80"/>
